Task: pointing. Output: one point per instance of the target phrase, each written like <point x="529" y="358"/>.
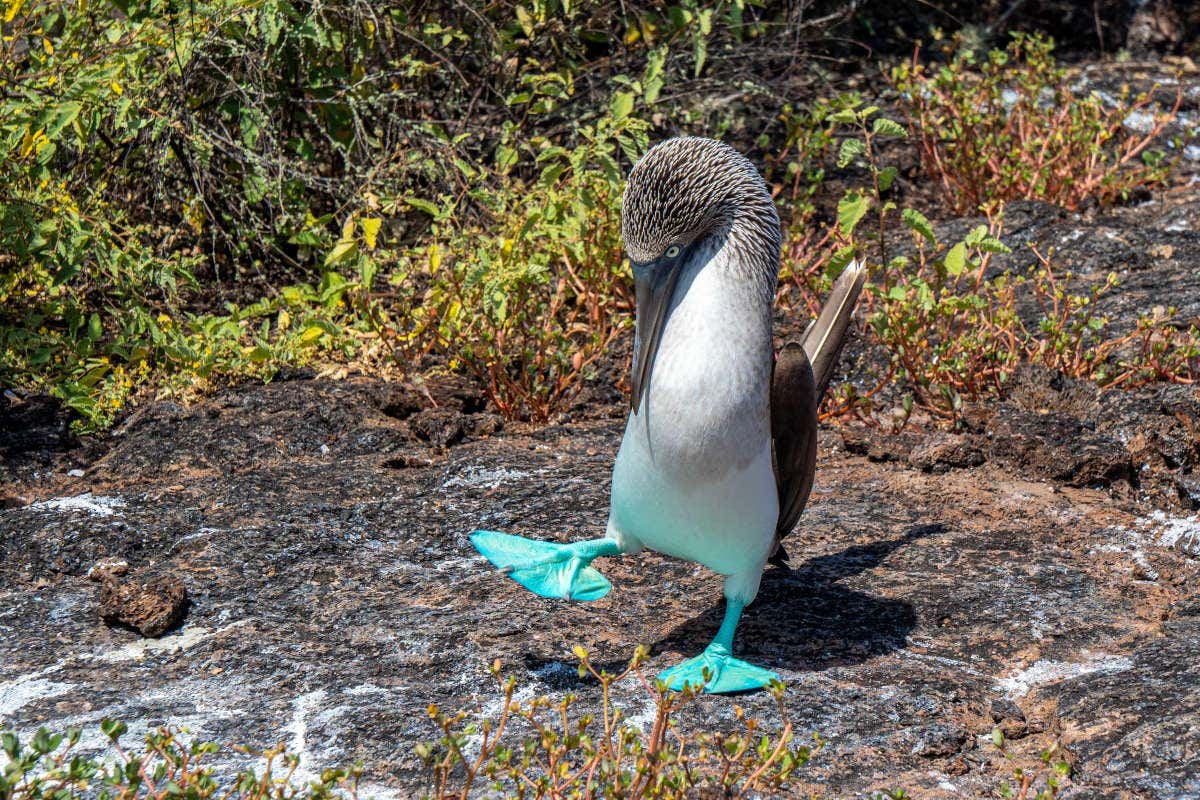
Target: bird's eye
<point x="672" y="251"/>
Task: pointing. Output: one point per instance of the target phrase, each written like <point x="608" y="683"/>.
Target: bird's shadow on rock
<point x="805" y="620"/>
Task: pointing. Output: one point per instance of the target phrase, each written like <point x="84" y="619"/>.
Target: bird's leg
<point x="549" y="569"/>
<point x="716" y="669"/>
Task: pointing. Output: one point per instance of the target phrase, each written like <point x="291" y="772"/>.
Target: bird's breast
<point x="707" y="407"/>
<point x="694" y="475"/>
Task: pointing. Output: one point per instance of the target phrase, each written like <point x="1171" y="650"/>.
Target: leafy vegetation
<point x="166" y="765"/>
<point x="954" y="329"/>
<point x="1041" y="782"/>
<point x="198" y="193"/>
<point x="1008" y="126"/>
<point x="572" y="752"/>
<point x="535" y="748"/>
<point x="210" y="190"/>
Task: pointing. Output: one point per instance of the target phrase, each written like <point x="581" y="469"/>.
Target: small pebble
<point x="108" y="568"/>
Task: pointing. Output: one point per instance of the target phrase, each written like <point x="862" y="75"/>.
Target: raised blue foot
<point x="548" y="569"/>
<point x="725" y="673"/>
<point x="716" y="669"/>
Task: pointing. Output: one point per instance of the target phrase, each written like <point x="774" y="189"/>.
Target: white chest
<point x="707" y="407"/>
<point x="693" y="477"/>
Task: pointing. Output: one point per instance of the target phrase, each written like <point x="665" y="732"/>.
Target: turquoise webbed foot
<point x="725" y="673"/>
<point x="548" y="569"/>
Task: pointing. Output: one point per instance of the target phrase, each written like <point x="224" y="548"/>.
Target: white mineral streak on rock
<point x="302" y="708"/>
<point x="1132" y="545"/>
<point x="99" y="506"/>
<point x="26" y="689"/>
<point x="481" y="477"/>
<point x="643" y="720"/>
<point x="377" y="791"/>
<point x="1140" y="121"/>
<point x="184" y="638"/>
<point x="1173" y="530"/>
<point x="953" y="663"/>
<point x="1042" y="672"/>
<point x="462" y="563"/>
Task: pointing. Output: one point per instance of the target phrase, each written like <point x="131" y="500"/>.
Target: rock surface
<point x="335" y="596"/>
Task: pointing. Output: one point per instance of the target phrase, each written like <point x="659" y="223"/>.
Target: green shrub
<point x="531" y="299"/>
<point x="952" y="333"/>
<point x="569" y="751"/>
<point x="167" y="168"/>
<point x="195" y="193"/>
<point x="1007" y="126"/>
<point x="166" y="765"/>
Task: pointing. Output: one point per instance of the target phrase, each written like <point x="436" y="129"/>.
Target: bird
<point x="719" y="451"/>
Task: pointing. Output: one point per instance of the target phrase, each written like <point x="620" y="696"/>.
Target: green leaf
<point x="846" y="116"/>
<point x="887" y="176"/>
<point x="850" y="149"/>
<point x="311" y="334"/>
<point x="652" y="78"/>
<point x="506" y="158"/>
<point x="886" y="127"/>
<point x="611" y="171"/>
<point x="839" y="260"/>
<point x="924" y="296"/>
<point x="113" y="729"/>
<point x="64" y="115"/>
<point x="424" y="205"/>
<point x="622" y="105"/>
<point x="343" y="250"/>
<point x="956" y="259"/>
<point x="851" y="209"/>
<point x="370" y="230"/>
<point x="525" y="21"/>
<point x="916" y="221"/>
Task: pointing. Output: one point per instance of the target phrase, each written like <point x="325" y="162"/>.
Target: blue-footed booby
<point x="719" y="450"/>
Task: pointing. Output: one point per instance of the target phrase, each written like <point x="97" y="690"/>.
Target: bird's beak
<point x="654" y="284"/>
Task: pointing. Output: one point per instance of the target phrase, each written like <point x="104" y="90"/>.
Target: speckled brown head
<point x="686" y="197"/>
<point x="685" y="190"/>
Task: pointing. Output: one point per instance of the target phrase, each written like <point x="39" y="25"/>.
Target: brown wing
<point x="794" y="429"/>
<point x="802" y="373"/>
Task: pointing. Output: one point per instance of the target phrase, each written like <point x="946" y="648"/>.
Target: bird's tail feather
<point x="824" y="338"/>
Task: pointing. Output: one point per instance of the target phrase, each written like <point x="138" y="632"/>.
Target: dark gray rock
<point x="939" y="452"/>
<point x="441" y="427"/>
<point x="1137" y="728"/>
<point x="878" y="445"/>
<point x="938" y="740"/>
<point x="1058" y="447"/>
<point x="333" y="599"/>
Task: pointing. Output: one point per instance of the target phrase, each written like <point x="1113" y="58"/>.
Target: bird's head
<point x="686" y="198"/>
